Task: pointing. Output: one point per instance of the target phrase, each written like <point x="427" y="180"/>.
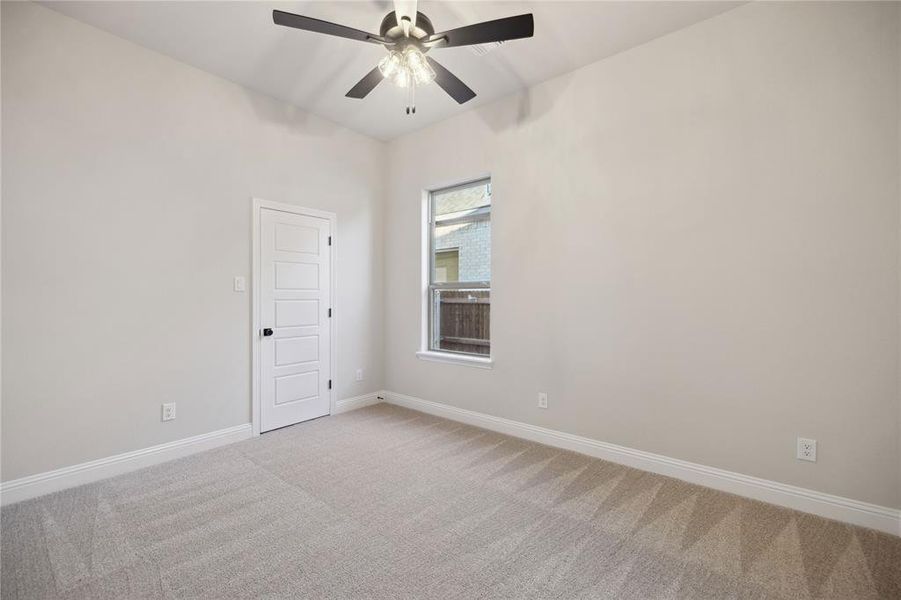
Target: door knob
<point x="267" y="332"/>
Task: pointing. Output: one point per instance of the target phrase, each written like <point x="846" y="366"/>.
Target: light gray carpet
<point x="385" y="502"/>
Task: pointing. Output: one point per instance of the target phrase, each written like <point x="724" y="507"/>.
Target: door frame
<point x="258" y="204"/>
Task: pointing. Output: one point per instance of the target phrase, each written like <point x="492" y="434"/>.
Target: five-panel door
<point x="295" y="302"/>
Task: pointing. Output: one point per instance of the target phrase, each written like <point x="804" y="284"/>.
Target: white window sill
<point x="456" y="359"/>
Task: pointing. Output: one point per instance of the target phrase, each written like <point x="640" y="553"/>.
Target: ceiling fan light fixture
<point x="423" y="74"/>
<point x="402" y="77"/>
<point x="406" y="68"/>
<point x="391" y="64"/>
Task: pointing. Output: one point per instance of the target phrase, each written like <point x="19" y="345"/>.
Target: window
<point x="459" y="285"/>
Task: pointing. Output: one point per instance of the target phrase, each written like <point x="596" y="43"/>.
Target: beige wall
<point x="695" y="247"/>
<point x="126" y="214"/>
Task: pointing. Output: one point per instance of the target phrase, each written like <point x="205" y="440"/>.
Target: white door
<point x="295" y="307"/>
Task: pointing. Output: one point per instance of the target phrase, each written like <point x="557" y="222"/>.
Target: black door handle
<point x="267" y="332"/>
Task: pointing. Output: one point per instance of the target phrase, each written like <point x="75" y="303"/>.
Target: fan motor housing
<point x="391" y="31"/>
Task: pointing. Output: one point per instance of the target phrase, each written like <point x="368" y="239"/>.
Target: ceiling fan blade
<point x="449" y="82"/>
<point x="366" y="85"/>
<point x="508" y="28"/>
<point x="405" y="8"/>
<point x="287" y="19"/>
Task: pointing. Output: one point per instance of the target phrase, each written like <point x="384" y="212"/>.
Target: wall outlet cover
<point x="807" y="449"/>
<point x="542" y="399"/>
<point x="240" y="284"/>
<point x="168" y="411"/>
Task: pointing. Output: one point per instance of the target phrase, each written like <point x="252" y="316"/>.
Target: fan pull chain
<point x="411" y="98"/>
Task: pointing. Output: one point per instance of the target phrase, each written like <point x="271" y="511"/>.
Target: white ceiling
<point x="238" y="41"/>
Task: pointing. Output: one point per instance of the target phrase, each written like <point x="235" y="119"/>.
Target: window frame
<point x="426" y="351"/>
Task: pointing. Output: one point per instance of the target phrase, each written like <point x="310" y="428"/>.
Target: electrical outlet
<point x="542" y="400"/>
<point x="169" y="411"/>
<point x="807" y="449"/>
<point x="240" y="284"/>
<point x="359" y="374"/>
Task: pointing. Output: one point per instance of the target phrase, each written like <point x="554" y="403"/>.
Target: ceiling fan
<point x="408" y="35"/>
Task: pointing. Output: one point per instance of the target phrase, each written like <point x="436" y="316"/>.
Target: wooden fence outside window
<point x="464" y="323"/>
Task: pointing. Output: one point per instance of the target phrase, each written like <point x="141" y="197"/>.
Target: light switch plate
<point x="240" y="284"/>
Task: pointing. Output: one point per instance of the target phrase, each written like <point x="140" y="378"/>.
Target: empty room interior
<point x="450" y="299"/>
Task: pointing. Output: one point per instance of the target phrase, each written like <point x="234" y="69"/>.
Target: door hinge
<point x="329" y="240"/>
<point x="329" y="384"/>
<point x="329" y="313"/>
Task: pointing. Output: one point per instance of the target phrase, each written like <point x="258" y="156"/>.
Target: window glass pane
<point x="447" y="265"/>
<point x="461" y="201"/>
<point x="470" y="241"/>
<point x="460" y="321"/>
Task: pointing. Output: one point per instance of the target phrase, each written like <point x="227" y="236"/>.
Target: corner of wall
<point x="384" y="165"/>
<point x="898" y="41"/>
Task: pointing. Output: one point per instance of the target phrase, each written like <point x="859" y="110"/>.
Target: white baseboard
<point x="95" y="470"/>
<point x="342" y="406"/>
<point x="805" y="500"/>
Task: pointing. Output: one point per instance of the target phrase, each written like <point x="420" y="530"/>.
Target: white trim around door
<point x="257" y="205"/>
